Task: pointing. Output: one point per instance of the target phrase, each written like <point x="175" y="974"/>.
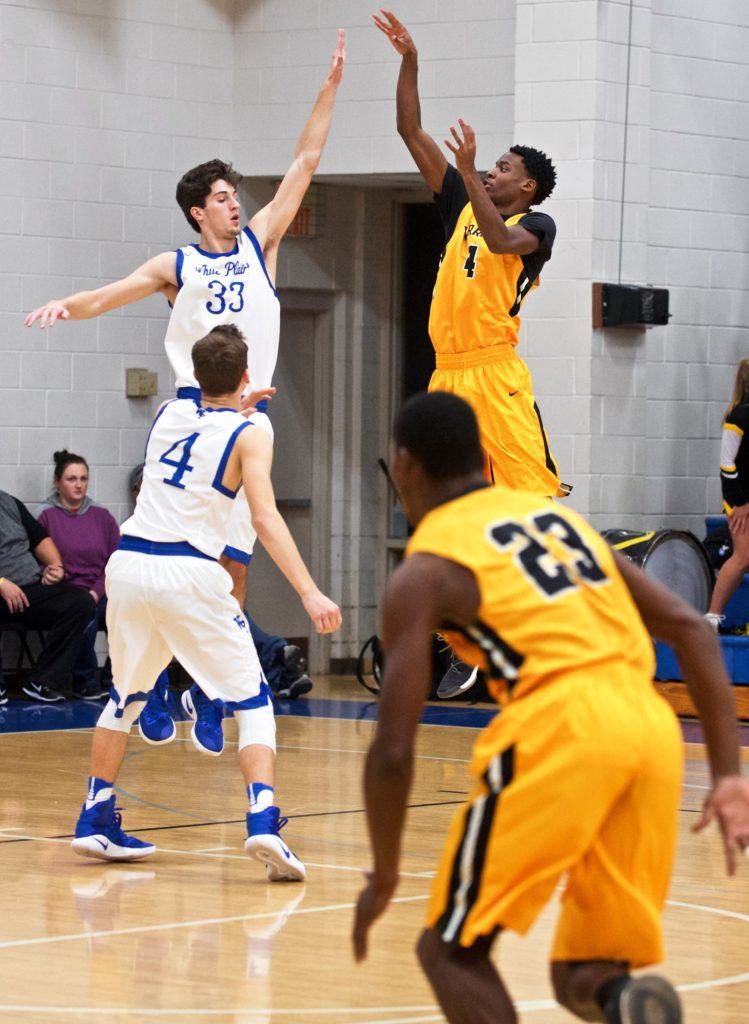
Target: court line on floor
<point x="735" y="979"/>
<point x="234" y="821"/>
<point x="354" y="1011"/>
<point x="215" y="854"/>
<point x="45" y="940"/>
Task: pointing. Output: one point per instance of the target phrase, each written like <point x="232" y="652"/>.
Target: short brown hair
<point x="220" y="359"/>
<point x="195" y="186"/>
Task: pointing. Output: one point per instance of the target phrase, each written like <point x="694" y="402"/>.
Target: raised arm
<point x="498" y="237"/>
<point x="426" y="153"/>
<point x="158" y="274"/>
<point x="669" y="618"/>
<point x="255" y="457"/>
<point x="270" y="224"/>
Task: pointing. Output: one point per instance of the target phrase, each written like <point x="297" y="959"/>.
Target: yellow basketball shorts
<point x="579" y="779"/>
<point x="497" y="385"/>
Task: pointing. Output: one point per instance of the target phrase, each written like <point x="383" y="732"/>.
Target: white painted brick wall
<point x="106" y="105"/>
<point x="102" y="112"/>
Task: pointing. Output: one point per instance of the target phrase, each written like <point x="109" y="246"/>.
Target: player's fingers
<point x="453" y="149"/>
<point x="360" y="937"/>
<point x="730" y="853"/>
<point x="704" y="820"/>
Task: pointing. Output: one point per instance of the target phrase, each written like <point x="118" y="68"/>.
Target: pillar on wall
<point x="555" y="110"/>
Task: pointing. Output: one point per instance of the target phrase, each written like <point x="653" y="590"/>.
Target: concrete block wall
<point x="555" y="103"/>
<point x="620" y="228"/>
<point x="466" y="69"/>
<point x="103" y="107"/>
<point x="698" y="239"/>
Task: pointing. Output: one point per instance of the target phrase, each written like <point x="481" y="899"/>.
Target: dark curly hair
<point x="195" y="185"/>
<point x="441" y="431"/>
<point x="540" y="168"/>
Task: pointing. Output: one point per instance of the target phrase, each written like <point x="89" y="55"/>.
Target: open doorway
<point x="301" y="424"/>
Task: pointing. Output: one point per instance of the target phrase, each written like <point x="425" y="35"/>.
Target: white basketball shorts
<point x="161" y="606"/>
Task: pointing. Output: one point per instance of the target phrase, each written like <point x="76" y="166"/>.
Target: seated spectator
<point x="282" y="662"/>
<point x="33" y="594"/>
<point x="85" y="535"/>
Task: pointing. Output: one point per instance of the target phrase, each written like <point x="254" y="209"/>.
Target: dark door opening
<point x="423" y="242"/>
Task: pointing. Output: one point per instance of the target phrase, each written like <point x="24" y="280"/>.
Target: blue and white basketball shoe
<point x="98" y="834"/>
<point x="208" y="715"/>
<point x="155" y="723"/>
<point x="263" y="843"/>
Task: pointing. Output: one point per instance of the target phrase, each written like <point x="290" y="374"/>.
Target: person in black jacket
<point x="33" y="594"/>
<point x="734" y="479"/>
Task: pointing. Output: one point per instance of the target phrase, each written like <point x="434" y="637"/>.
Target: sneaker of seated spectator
<point x="32" y="594"/>
<point x="85" y="535"/>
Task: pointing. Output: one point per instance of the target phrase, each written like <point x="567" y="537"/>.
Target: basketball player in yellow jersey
<point x="580" y="775"/>
<point x="495" y="250"/>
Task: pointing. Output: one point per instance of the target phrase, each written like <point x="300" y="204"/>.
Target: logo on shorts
<point x="240" y="621"/>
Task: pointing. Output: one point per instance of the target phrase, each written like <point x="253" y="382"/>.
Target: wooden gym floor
<point x="195" y="933"/>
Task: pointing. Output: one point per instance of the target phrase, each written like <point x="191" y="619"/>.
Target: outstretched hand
<point x="372" y="903"/>
<point x="728" y="804"/>
<point x="464" y="149"/>
<point x="397" y="33"/>
<point x="335" y="72"/>
<point x="48" y="314"/>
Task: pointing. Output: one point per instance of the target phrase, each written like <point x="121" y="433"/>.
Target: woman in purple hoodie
<point x="86" y="535"/>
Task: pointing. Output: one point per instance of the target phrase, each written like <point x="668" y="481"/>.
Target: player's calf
<point x="600" y="990"/>
<point x="465" y="981"/>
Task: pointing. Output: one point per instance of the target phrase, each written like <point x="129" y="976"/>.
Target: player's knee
<point x="257" y="726"/>
<point x="430" y="950"/>
<point x="123" y="722"/>
<point x="435" y="954"/>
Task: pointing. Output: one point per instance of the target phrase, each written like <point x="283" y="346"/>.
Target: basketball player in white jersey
<point x="228" y="277"/>
<point x="168" y="595"/>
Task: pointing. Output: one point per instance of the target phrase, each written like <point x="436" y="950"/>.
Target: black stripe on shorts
<point x="550" y="463"/>
<point x="465" y="880"/>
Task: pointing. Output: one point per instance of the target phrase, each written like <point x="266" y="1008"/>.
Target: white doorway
<point x="300" y="414"/>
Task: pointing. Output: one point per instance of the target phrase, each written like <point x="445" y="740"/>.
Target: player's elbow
<point x="308" y="160"/>
<point x="408" y="129"/>
<point x="265" y="521"/>
<point x="685" y="629"/>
